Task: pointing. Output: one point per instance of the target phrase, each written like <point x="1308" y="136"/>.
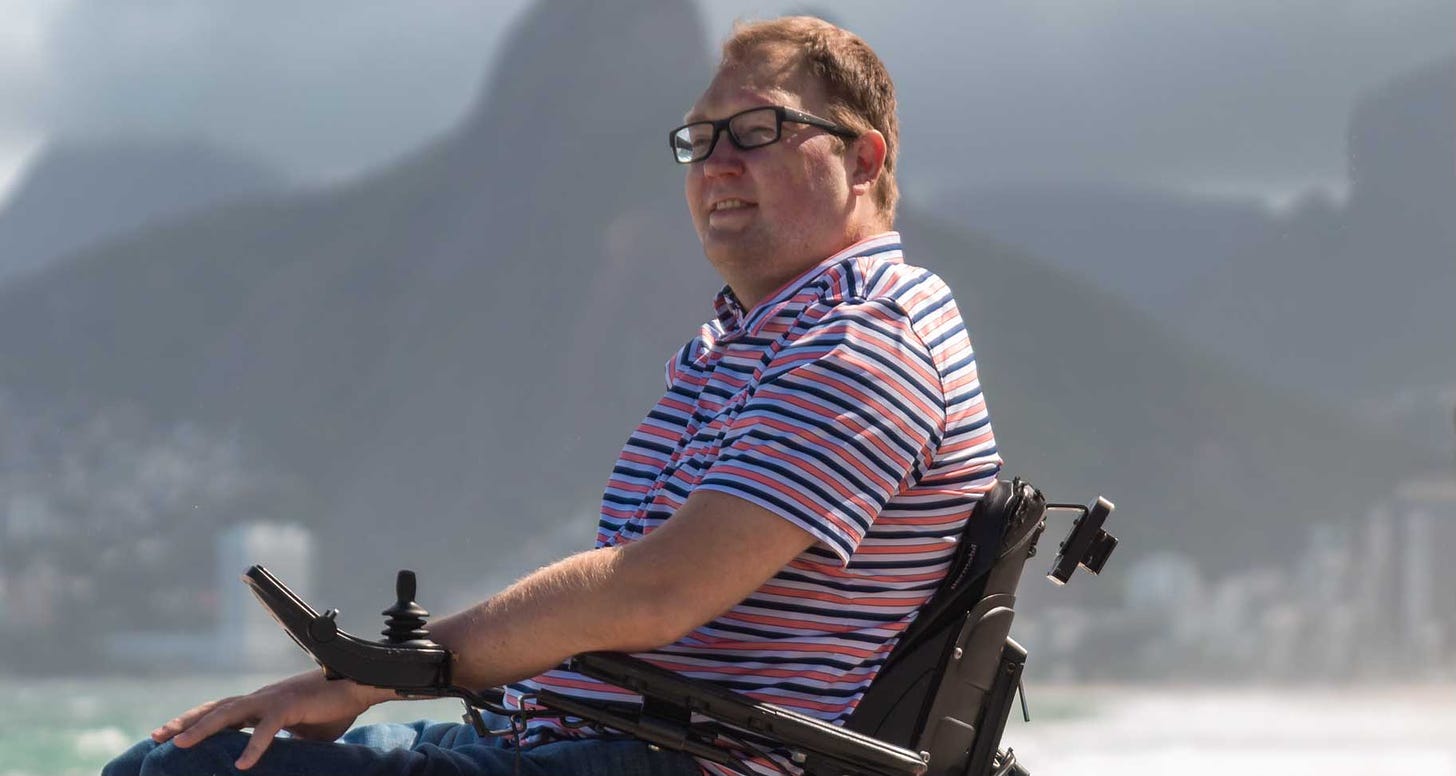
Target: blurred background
<point x="345" y="289"/>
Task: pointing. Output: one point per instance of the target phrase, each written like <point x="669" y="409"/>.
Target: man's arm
<point x="714" y="551"/>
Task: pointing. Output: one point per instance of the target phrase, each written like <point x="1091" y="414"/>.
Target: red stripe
<point x="847" y="600"/>
<point x="730" y="469"/>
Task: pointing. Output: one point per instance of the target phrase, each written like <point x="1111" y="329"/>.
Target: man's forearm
<point x="714" y="552"/>
<point x="589" y="601"/>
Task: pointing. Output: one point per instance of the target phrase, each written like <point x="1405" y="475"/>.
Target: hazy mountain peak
<point x="81" y="192"/>
<point x="1402" y="138"/>
<point x="580" y="53"/>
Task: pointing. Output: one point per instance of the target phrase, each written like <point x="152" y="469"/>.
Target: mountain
<point x="1354" y="303"/>
<point x="1401" y="142"/>
<point x="1346" y="304"/>
<point x="1149" y="248"/>
<point x="445" y="353"/>
<point x="444" y="357"/>
<point x="1088" y="395"/>
<point x="78" y="194"/>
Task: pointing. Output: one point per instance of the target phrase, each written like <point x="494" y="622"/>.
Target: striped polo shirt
<point x="848" y="404"/>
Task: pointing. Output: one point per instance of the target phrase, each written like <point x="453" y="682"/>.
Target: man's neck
<point x="751" y="292"/>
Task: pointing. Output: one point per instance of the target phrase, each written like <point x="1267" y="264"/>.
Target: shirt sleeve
<point x="680" y="359"/>
<point x="842" y="418"/>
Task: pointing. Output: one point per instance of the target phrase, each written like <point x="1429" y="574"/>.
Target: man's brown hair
<point x="856" y="84"/>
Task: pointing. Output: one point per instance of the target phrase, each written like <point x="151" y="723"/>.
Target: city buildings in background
<point x="1368" y="598"/>
<point x="246" y="636"/>
<point x="217" y="626"/>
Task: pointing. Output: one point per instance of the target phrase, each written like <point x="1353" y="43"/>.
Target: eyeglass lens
<point x="749" y="129"/>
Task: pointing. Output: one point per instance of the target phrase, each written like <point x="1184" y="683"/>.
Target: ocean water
<point x="67" y="727"/>
<point x="1202" y="731"/>
<point x="71" y="727"/>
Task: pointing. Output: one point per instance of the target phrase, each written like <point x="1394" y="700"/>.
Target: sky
<point x="1236" y="98"/>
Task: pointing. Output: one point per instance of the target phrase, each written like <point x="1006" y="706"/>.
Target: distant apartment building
<point x="1408" y="603"/>
<point x="242" y="636"/>
<point x="247" y="636"/>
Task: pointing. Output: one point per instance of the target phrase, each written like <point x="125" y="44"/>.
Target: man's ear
<point x="867" y="159"/>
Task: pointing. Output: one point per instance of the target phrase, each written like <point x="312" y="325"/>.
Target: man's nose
<point x="725" y="159"/>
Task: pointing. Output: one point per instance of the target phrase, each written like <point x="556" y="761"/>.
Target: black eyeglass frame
<point x="781" y="114"/>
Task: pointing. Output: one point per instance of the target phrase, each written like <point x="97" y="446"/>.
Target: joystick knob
<point x="404" y="623"/>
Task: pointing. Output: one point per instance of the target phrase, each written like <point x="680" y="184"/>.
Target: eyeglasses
<point x="752" y="128"/>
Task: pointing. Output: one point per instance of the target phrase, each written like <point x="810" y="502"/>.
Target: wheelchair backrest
<point x="930" y="696"/>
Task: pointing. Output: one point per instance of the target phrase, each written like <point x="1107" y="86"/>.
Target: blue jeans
<point x="416" y="749"/>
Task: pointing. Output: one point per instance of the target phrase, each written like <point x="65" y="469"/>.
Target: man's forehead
<point x="719" y="100"/>
<point x="765" y="77"/>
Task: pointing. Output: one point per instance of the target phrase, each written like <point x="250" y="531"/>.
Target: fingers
<point x="305" y="701"/>
<point x="263" y="734"/>
<point x="229" y="714"/>
<point x="183" y="721"/>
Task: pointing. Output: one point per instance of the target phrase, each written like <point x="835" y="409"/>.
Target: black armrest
<point x="417" y="666"/>
<point x="845" y="751"/>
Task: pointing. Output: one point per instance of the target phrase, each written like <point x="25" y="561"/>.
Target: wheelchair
<point x="937" y="707"/>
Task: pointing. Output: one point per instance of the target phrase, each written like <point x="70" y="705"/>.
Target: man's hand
<point x="307" y="706"/>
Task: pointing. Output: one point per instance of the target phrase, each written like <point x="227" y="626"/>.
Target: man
<point x="780" y="515"/>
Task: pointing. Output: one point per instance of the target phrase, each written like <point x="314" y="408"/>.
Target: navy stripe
<point x="753" y="602"/>
<point x="839" y="433"/>
<point x="948" y="334"/>
<point x="792" y="475"/>
<point x="814" y="453"/>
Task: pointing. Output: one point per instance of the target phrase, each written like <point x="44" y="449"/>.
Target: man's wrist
<point x="371" y="696"/>
<point x="366" y="696"/>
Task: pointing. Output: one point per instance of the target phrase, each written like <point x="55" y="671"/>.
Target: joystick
<point x="404" y="623"/>
<point x="406" y="660"/>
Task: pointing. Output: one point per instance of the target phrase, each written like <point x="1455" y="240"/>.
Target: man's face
<point x="769" y="213"/>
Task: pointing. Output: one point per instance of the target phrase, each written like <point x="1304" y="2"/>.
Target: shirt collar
<point x="733" y="318"/>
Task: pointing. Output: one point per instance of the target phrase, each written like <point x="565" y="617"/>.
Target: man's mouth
<point x="729" y="205"/>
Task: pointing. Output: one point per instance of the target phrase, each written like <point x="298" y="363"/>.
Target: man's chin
<point x="728" y="243"/>
<point x="731" y="256"/>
